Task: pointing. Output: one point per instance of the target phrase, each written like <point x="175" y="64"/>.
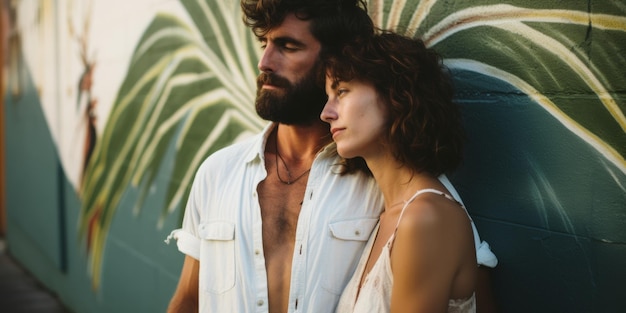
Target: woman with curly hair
<point x="390" y="105"/>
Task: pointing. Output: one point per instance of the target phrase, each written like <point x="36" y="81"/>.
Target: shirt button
<point x="259" y="303"/>
<point x="357" y="232"/>
<point x="257" y="252"/>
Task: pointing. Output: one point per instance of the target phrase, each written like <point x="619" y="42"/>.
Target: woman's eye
<point x="341" y="91"/>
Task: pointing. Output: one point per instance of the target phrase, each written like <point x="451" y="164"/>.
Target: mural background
<point x="110" y="107"/>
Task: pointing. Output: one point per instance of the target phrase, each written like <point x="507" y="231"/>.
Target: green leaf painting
<point x="192" y="86"/>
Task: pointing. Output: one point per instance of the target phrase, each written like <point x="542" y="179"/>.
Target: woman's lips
<point x="335" y="131"/>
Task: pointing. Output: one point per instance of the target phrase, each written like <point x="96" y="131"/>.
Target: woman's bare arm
<point x="433" y="246"/>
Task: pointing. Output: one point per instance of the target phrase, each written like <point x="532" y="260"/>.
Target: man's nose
<point x="266" y="62"/>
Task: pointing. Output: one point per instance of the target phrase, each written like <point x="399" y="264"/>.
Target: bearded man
<point x="270" y="224"/>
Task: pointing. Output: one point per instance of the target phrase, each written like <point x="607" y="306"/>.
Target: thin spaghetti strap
<point x="406" y="204"/>
<point x="419" y="192"/>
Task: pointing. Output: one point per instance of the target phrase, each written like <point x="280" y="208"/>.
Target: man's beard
<point x="294" y="104"/>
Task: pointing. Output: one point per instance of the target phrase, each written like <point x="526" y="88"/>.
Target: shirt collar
<point x="258" y="149"/>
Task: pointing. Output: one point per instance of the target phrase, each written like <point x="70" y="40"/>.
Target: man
<point x="270" y="225"/>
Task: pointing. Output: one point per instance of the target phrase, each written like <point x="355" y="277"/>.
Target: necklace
<point x="289" y="181"/>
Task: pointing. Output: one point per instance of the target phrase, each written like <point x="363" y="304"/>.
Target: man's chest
<point x="280" y="207"/>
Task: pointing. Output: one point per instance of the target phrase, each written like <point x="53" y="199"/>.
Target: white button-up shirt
<point x="222" y="229"/>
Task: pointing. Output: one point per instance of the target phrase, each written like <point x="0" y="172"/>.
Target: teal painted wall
<point x="139" y="271"/>
<point x="552" y="209"/>
<point x="551" y="203"/>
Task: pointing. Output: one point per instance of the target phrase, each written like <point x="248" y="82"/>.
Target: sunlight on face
<point x="357" y="118"/>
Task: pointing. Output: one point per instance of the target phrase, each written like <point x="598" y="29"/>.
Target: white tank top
<point x="375" y="294"/>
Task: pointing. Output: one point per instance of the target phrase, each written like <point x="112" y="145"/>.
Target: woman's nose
<point x="328" y="113"/>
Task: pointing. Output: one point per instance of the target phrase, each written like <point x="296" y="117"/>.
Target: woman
<point x="390" y="104"/>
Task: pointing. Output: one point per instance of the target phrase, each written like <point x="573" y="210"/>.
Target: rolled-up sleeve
<point x="187" y="237"/>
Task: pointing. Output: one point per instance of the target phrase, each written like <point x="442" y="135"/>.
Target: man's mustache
<point x="271" y="79"/>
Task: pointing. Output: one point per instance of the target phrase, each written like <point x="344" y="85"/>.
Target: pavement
<point x="20" y="292"/>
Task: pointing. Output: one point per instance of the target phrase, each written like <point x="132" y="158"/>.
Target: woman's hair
<point x="425" y="131"/>
<point x="333" y="22"/>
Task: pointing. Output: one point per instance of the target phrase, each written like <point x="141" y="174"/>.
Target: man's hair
<point x="424" y="126"/>
<point x="333" y="22"/>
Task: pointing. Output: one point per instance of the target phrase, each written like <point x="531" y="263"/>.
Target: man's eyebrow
<point x="283" y="40"/>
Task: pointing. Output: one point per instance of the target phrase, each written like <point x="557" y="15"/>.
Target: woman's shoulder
<point x="434" y="219"/>
<point x="432" y="209"/>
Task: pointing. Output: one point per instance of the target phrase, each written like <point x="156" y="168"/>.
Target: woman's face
<point x="356" y="116"/>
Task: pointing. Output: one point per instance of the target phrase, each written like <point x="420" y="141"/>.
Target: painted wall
<point x="110" y="106"/>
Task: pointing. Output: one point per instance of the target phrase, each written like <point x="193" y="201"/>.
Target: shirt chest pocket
<point x="347" y="240"/>
<point x="217" y="265"/>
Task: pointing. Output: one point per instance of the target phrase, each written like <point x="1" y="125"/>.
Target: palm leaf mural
<point x="193" y="85"/>
<point x="528" y="48"/>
